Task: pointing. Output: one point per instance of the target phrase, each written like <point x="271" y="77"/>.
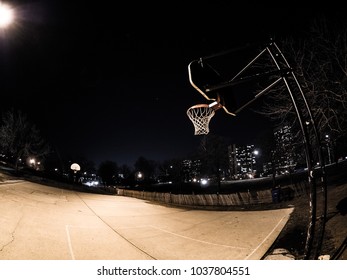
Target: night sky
<point x="109" y="81"/>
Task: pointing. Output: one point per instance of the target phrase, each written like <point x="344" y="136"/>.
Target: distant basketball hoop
<point x="75" y="167"/>
<point x="200" y="115"/>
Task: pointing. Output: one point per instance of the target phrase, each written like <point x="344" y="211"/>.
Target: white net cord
<point x="200" y="115"/>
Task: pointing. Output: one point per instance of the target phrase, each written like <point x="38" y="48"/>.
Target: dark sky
<point x="109" y="81"/>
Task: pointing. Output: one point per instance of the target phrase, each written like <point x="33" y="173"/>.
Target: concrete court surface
<point x="39" y="222"/>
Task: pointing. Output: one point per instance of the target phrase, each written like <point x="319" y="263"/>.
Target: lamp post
<point x="328" y="145"/>
<point x="255" y="153"/>
<point x="139" y="176"/>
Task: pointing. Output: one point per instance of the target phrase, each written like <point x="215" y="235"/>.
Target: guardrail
<point x="241" y="198"/>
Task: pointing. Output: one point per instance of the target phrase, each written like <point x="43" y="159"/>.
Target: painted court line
<point x="189" y="238"/>
<point x="266" y="238"/>
<point x="185" y="237"/>
<point x="69" y="241"/>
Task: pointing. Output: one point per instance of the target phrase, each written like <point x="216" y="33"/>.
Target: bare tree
<point x="214" y="156"/>
<point x="145" y="166"/>
<point x="108" y="171"/>
<point x="20" y="138"/>
<point x="319" y="61"/>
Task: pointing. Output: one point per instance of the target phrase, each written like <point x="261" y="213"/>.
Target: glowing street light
<point x="139" y="176"/>
<point x="6" y="15"/>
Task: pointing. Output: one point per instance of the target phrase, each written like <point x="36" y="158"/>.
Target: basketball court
<point x="39" y="222"/>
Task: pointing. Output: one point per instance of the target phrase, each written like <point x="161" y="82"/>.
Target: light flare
<point x="6" y="15"/>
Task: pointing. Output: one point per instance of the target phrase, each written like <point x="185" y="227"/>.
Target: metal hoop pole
<point x="309" y="157"/>
<point x="320" y="157"/>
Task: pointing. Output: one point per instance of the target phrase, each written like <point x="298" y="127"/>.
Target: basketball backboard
<point x="227" y="79"/>
<point x="203" y="77"/>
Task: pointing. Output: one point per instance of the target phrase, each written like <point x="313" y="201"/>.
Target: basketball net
<point x="200" y="115"/>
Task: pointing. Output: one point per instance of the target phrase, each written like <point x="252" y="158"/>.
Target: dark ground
<point x="294" y="235"/>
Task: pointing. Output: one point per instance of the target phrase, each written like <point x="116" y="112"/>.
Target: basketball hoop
<point x="201" y="115"/>
<point x="75" y="167"/>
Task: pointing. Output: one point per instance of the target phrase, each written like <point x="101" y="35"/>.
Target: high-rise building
<point x="242" y="161"/>
<point x="191" y="169"/>
<point x="284" y="155"/>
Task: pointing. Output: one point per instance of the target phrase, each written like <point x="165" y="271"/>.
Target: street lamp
<point x="6" y="15"/>
<point x="254" y="154"/>
<point x="139" y="176"/>
<point x="327" y="141"/>
<point x="32" y="162"/>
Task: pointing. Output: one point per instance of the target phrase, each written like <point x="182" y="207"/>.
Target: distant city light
<point x="204" y="181"/>
<point x="6" y="15"/>
<point x="93" y="183"/>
